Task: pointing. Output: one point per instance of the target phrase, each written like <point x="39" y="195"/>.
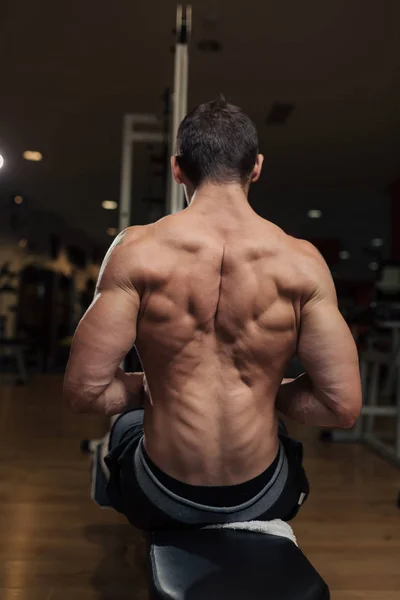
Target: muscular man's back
<point x="217" y="301"/>
<point x="220" y="302"/>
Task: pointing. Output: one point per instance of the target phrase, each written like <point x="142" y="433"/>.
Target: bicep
<point x="103" y="337"/>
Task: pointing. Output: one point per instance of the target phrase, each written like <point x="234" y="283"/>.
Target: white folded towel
<point x="275" y="527"/>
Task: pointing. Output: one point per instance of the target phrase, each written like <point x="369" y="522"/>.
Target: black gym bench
<point x="217" y="564"/>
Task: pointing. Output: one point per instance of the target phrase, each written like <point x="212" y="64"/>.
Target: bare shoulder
<point x="294" y="250"/>
<point x="123" y="245"/>
<point x="131" y="235"/>
<point x="307" y="253"/>
<point x="122" y="257"/>
<point x="315" y="277"/>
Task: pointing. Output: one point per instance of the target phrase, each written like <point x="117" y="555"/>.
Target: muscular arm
<point x="93" y="381"/>
<point x="329" y="393"/>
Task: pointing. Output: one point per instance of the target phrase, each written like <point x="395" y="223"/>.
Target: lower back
<point x="211" y="429"/>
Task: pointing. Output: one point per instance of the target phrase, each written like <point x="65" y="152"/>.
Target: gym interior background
<point x="322" y="83"/>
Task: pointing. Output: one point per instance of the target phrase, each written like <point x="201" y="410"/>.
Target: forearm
<point x="299" y="401"/>
<point x="125" y="391"/>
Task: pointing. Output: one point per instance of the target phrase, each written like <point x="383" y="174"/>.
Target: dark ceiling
<point x="71" y="70"/>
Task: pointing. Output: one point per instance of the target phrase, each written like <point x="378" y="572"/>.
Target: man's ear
<point x="176" y="170"/>
<point x="257" y="168"/>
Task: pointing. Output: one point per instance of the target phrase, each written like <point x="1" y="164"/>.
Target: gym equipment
<point x="10" y="344"/>
<point x="244" y="561"/>
<point x="16" y="348"/>
<point x="132" y="131"/>
<point x="222" y="564"/>
<point x="45" y="313"/>
<point x="380" y="370"/>
<point x="175" y="200"/>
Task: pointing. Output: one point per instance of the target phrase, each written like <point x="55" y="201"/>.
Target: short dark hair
<point x="217" y="142"/>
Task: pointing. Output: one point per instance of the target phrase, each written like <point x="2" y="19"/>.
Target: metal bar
<point x="372" y="397"/>
<point x="364" y="377"/>
<point x="180" y="200"/>
<point x="381" y="447"/>
<point x="379" y="411"/>
<point x="184" y="83"/>
<point x="357" y="430"/>
<point x="346" y="435"/>
<point x="398" y="411"/>
<point x="126" y="174"/>
<point x="175" y="198"/>
<point x="173" y="195"/>
<point x="145" y="119"/>
<point x="390" y="382"/>
<point x="147" y="136"/>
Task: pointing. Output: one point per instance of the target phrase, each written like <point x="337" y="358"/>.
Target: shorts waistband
<point x="190" y="512"/>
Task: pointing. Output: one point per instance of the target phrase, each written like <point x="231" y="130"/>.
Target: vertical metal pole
<point x="184" y="82"/>
<point x="173" y="197"/>
<point x="124" y="216"/>
<point x="357" y="431"/>
<point x="185" y="63"/>
<point x="180" y="200"/>
<point x="372" y="396"/>
<point x="398" y="408"/>
<point x="126" y="174"/>
<point x="175" y="200"/>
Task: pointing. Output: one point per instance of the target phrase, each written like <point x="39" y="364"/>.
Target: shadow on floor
<point x="121" y="573"/>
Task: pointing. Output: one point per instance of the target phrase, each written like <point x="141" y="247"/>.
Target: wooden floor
<point x="55" y="544"/>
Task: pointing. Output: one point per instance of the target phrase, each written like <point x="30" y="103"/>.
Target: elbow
<point x="348" y="415"/>
<point x="344" y="406"/>
<point x="346" y="420"/>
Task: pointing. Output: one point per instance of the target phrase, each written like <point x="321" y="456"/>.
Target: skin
<point x="217" y="301"/>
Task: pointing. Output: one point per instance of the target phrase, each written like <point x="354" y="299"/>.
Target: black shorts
<point x="150" y="499"/>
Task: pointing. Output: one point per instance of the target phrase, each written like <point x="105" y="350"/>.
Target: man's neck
<point x="230" y="199"/>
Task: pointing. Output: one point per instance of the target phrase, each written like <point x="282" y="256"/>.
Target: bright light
<point x="344" y="254"/>
<point x="315" y="214"/>
<point x="377" y="242"/>
<point x="23" y="243"/>
<point x="1" y="161"/>
<point x="112" y="231"/>
<point x="109" y="204"/>
<point x="18" y="199"/>
<point x="374" y="266"/>
<point x="33" y="155"/>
